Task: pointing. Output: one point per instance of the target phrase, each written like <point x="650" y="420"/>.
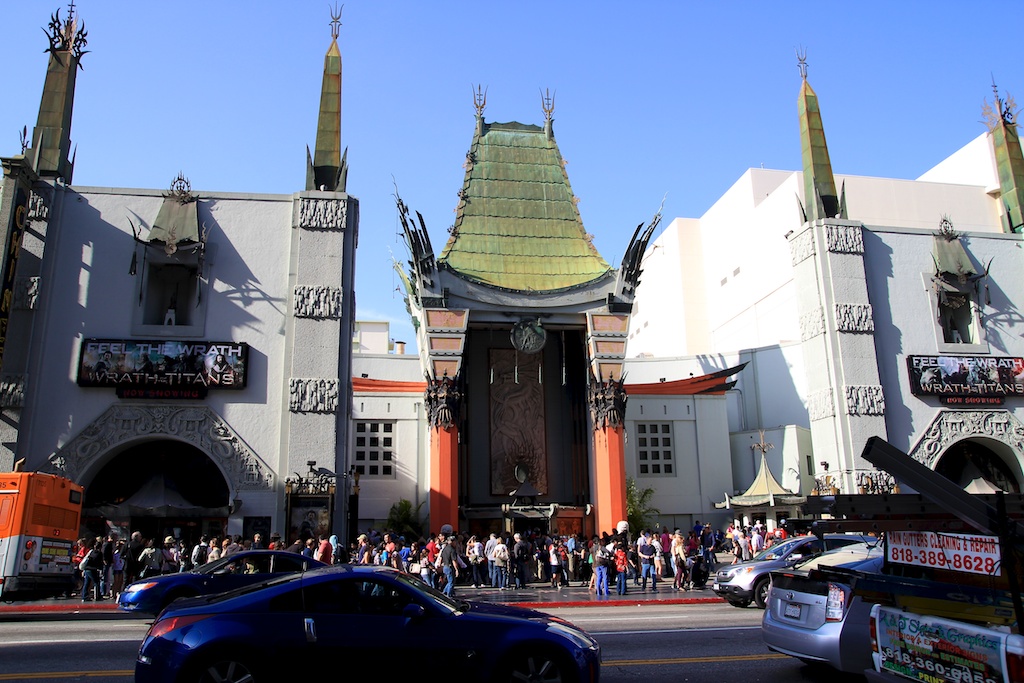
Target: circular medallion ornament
<point x="528" y="336"/>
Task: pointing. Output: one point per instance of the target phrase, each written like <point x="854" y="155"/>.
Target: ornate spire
<point x="820" y="197"/>
<point x="328" y="167"/>
<point x="1009" y="158"/>
<point x="51" y="137"/>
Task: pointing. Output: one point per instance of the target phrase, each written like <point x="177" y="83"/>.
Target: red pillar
<point x="444" y="477"/>
<point x="610" y="477"/>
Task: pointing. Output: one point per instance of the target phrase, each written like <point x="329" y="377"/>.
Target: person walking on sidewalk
<point x="646" y="551"/>
<point x="621" y="567"/>
<point x="602" y="558"/>
<point x="522" y="551"/>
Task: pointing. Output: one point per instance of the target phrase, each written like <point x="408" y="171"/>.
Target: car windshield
<point x="848" y="556"/>
<point x="776" y="551"/>
<point x="432" y="594"/>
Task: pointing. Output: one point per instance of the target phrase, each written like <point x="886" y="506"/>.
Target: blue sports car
<point x="239" y="569"/>
<point x="359" y="618"/>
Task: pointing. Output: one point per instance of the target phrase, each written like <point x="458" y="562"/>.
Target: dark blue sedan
<point x="359" y="618"/>
<point x="239" y="569"/>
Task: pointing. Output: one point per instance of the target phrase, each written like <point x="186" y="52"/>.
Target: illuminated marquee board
<point x="966" y="380"/>
<point x="162" y="369"/>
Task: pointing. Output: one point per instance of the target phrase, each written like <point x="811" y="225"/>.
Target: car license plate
<point x="792" y="610"/>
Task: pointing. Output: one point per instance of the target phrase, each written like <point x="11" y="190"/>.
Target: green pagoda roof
<point x="517" y="226"/>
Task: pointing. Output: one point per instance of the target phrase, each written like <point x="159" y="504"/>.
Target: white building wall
<point x="89" y="293"/>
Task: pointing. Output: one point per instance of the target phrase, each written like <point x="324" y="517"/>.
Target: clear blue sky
<point x="652" y="98"/>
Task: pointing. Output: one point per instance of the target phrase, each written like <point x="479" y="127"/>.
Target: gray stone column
<point x="845" y="402"/>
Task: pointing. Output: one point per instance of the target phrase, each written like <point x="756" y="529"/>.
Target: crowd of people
<point x="445" y="560"/>
<point x="748" y="541"/>
<point x="104" y="565"/>
<point x="679" y="560"/>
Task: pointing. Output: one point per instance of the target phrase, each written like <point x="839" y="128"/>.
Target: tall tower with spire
<point x="28" y="192"/>
<point x="845" y="402"/>
<point x="1009" y="159"/>
<point x="820" y="197"/>
<point x="50" y="148"/>
<point x="327" y="167"/>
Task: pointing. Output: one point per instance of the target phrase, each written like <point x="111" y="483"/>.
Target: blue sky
<point x="652" y="99"/>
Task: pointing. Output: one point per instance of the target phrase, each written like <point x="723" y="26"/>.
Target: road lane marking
<point x="693" y="660"/>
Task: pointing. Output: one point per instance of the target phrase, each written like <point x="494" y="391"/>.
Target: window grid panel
<point x="377" y="458"/>
<point x="655" y="449"/>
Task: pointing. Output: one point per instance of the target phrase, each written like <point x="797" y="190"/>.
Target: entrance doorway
<point x="981" y="466"/>
<point x="158" y="488"/>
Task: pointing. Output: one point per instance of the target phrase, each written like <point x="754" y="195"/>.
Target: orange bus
<point x="39" y="519"/>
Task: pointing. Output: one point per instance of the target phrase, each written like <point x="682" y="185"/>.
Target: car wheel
<point x="761" y="592"/>
<point x="740" y="603"/>
<point x="225" y="670"/>
<point x="540" y="665"/>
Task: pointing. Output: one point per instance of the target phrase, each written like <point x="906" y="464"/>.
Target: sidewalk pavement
<point x="536" y="596"/>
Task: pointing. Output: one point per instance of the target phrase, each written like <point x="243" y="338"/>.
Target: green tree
<point x="405" y="520"/>
<point x="639" y="512"/>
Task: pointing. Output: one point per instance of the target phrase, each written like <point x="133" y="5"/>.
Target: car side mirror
<point x="413" y="611"/>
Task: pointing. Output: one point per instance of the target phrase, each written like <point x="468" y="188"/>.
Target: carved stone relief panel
<point x="317" y="302"/>
<point x="39" y="204"/>
<point x="864" y="400"/>
<point x="322" y="213"/>
<point x="802" y="246"/>
<point x="312" y="395"/>
<point x="844" y="239"/>
<point x="26" y="293"/>
<point x="854" y="318"/>
<point x="12" y="391"/>
<point x="820" y="404"/>
<point x="951" y="426"/>
<point x="121" y="425"/>
<point x="812" y="324"/>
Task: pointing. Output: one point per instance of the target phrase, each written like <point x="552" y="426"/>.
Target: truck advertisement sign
<point x="972" y="553"/>
<point x="936" y="650"/>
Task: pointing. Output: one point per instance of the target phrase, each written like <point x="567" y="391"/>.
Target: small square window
<point x="643" y="469"/>
<point x="387" y="470"/>
<point x="641" y="429"/>
<point x="668" y="469"/>
<point x="388" y="427"/>
<point x="360" y="455"/>
<point x="360" y="441"/>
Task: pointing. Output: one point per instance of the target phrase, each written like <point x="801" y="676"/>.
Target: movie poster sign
<point x="966" y="380"/>
<point x="162" y="369"/>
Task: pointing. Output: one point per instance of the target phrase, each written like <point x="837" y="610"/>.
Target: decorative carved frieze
<point x="844" y="239"/>
<point x="801" y="247"/>
<point x="864" y="400"/>
<point x="812" y="324"/>
<point x="317" y="302"/>
<point x="26" y="293"/>
<point x="442" y="399"/>
<point x="607" y="401"/>
<point x="820" y="404"/>
<point x="951" y="426"/>
<point x="312" y="395"/>
<point x="39" y="205"/>
<point x="124" y="424"/>
<point x="322" y="213"/>
<point x="12" y="391"/>
<point x="854" y="318"/>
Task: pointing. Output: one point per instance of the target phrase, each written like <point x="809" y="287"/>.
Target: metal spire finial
<point x="480" y="100"/>
<point x="547" y="103"/>
<point x="801" y="60"/>
<point x="336" y="20"/>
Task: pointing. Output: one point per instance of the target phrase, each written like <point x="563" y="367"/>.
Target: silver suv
<point x="747" y="582"/>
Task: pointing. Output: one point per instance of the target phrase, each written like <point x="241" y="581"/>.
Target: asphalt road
<point x="677" y="642"/>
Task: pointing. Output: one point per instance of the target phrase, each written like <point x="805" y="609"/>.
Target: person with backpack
<point x="201" y="552"/>
<point x="91" y="566"/>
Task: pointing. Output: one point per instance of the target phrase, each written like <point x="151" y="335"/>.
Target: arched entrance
<point x="981" y="450"/>
<point x="194" y="433"/>
<point x="159" y="488"/>
<point x="981" y="466"/>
